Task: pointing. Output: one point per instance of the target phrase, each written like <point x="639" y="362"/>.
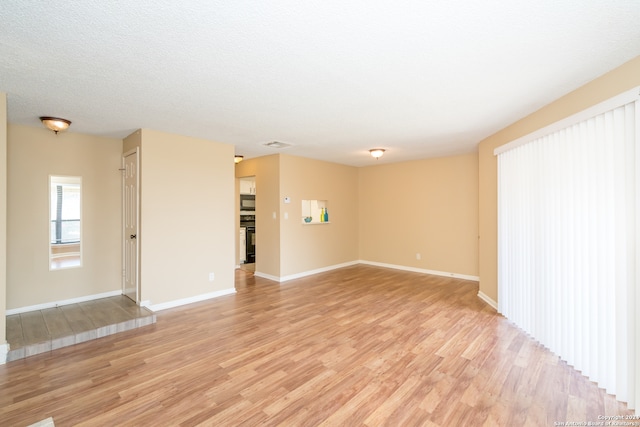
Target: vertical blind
<point x="567" y="238"/>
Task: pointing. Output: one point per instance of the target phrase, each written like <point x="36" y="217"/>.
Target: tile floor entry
<point x="39" y="331"/>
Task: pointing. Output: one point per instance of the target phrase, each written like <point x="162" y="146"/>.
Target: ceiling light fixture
<point x="55" y="124"/>
<point x="238" y="158"/>
<point x="376" y="152"/>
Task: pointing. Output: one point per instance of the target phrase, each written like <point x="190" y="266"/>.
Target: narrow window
<point x="64" y="222"/>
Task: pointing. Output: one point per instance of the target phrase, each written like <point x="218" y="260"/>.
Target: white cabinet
<point x="247" y="186"/>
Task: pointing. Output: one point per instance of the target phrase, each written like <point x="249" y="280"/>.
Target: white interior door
<point x="130" y="226"/>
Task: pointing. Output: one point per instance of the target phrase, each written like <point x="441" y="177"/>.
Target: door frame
<point x="126" y="154"/>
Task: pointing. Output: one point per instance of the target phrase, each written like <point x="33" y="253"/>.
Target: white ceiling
<point x="333" y="78"/>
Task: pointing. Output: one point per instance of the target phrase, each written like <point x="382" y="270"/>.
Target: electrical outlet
<point x="418" y="256"/>
<point x="212" y="277"/>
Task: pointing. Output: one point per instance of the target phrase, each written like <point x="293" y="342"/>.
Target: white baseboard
<point x="422" y="270"/>
<point x="266" y="276"/>
<point x="377" y="264"/>
<point x="304" y="273"/>
<point x="4" y="351"/>
<point x="189" y="300"/>
<point x="488" y="300"/>
<point x="317" y="271"/>
<point x="54" y="304"/>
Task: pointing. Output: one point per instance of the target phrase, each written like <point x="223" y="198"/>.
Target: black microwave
<point x="247" y="202"/>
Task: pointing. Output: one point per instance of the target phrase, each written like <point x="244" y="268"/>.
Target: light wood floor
<point x="357" y="346"/>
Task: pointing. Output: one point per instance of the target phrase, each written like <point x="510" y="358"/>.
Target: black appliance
<point x="249" y="222"/>
<point x="251" y="245"/>
<point x="247" y="202"/>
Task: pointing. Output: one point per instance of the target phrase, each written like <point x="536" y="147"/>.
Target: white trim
<point x="4" y="351"/>
<point x="135" y="150"/>
<point x="422" y="270"/>
<point x="634" y="402"/>
<point x="377" y="264"/>
<point x="610" y="104"/>
<point x="63" y="302"/>
<point x="266" y="276"/>
<point x="304" y="273"/>
<point x="189" y="300"/>
<point x="488" y="300"/>
<point x="317" y="271"/>
<point x="44" y="423"/>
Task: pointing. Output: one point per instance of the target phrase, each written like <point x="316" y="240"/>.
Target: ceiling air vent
<point x="277" y="144"/>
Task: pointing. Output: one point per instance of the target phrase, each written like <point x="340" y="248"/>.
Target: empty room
<point x="325" y="213"/>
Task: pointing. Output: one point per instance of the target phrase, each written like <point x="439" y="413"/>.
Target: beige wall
<point x="442" y="194"/>
<point x="3" y="218"/>
<point x="617" y="81"/>
<point x="310" y="247"/>
<point x="428" y="207"/>
<point x="33" y="155"/>
<point x="285" y="247"/>
<point x="267" y="172"/>
<point x="187" y="216"/>
<point x="132" y="141"/>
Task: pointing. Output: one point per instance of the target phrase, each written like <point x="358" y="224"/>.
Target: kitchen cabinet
<point x="247" y="186"/>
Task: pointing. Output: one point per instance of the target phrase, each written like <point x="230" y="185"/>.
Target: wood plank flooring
<point x="358" y="346"/>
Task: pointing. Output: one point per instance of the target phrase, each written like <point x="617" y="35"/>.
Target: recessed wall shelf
<point x="314" y="212"/>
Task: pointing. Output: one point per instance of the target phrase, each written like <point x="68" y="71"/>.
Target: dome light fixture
<point x="55" y="124"/>
<point x="238" y="158"/>
<point x="376" y="153"/>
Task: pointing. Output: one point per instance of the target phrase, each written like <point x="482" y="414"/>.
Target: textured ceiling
<point x="332" y="78"/>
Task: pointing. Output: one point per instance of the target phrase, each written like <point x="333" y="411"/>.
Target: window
<point x="567" y="240"/>
<point x="64" y="221"/>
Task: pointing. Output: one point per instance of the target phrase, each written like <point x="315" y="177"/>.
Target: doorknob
<point x="133" y="236"/>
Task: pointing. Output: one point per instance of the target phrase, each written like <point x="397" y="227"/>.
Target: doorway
<point x="247" y="235"/>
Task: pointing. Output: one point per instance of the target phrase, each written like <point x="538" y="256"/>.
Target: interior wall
<point x="309" y="247"/>
<point x="266" y="169"/>
<point x="3" y="222"/>
<point x="427" y="207"/>
<point x="33" y="155"/>
<point x="132" y="141"/>
<point x="616" y="81"/>
<point x="187" y="217"/>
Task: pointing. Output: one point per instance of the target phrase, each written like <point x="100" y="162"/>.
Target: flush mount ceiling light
<point x="55" y="124"/>
<point x="238" y="158"/>
<point x="376" y="152"/>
